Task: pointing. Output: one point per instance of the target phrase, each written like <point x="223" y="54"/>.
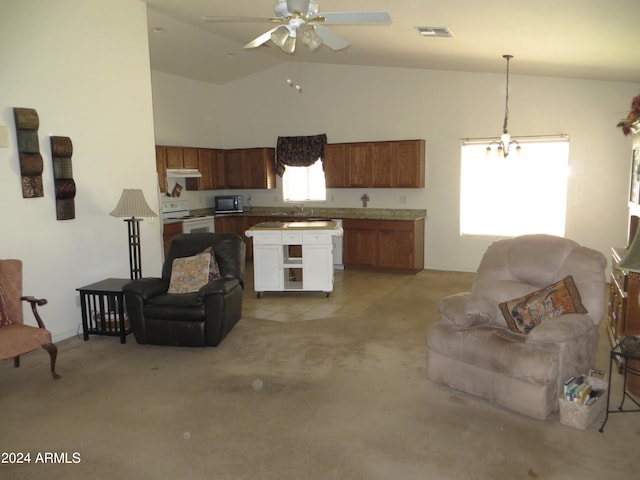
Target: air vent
<point x="442" y="32"/>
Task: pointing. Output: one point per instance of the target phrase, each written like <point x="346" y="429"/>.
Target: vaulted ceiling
<point x="590" y="39"/>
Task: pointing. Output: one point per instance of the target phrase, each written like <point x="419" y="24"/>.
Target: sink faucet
<point x="300" y="207"/>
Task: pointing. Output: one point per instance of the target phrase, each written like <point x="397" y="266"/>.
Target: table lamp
<point x="132" y="204"/>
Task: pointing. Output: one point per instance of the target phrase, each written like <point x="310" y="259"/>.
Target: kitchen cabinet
<point x="239" y="224"/>
<point x="211" y="166"/>
<point x="358" y="165"/>
<point x="384" y="244"/>
<point x="335" y="165"/>
<point x="182" y="157"/>
<point x="242" y="168"/>
<point x="161" y="167"/>
<point x="389" y="164"/>
<point x="173" y="157"/>
<point x="249" y="168"/>
<point x="168" y="231"/>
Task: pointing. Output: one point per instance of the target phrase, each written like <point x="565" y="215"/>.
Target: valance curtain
<point x="299" y="151"/>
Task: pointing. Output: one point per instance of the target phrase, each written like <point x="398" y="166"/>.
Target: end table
<point x="627" y="349"/>
<point x="103" y="309"/>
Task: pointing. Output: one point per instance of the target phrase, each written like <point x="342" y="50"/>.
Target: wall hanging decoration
<point x="31" y="166"/>
<point x="631" y="124"/>
<point x="61" y="151"/>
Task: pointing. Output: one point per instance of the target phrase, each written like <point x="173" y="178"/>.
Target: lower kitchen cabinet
<point x="384" y="244"/>
<point x="168" y="232"/>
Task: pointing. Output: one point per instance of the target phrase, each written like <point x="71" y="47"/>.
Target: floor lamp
<point x="132" y="204"/>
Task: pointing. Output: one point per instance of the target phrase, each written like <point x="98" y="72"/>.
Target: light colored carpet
<point x="344" y="397"/>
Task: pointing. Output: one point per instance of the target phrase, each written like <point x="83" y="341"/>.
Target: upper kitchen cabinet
<point x="247" y="168"/>
<point x="161" y="167"/>
<point x="335" y="166"/>
<point x="182" y="157"/>
<point x="241" y="168"/>
<point x="211" y="166"/>
<point x="392" y="164"/>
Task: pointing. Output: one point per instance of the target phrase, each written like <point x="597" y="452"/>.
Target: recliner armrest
<point x="466" y="309"/>
<point x="221" y="286"/>
<point x="147" y="288"/>
<point x="561" y="329"/>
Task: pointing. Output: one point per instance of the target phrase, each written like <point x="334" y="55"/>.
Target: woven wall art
<point x="61" y="151"/>
<point x="31" y="165"/>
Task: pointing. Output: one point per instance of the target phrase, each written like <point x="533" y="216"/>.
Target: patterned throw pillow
<point x="189" y="274"/>
<point x="214" y="269"/>
<point x="524" y="313"/>
<point x="5" y="321"/>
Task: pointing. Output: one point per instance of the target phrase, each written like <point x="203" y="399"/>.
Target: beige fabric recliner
<point x="472" y="349"/>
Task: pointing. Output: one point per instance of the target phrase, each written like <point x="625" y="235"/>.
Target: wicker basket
<point x="581" y="416"/>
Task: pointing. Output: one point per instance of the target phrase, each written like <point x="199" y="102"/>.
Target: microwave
<point x="228" y="204"/>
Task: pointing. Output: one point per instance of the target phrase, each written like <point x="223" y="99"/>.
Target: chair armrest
<point x="147" y="288"/>
<point x="561" y="329"/>
<point x="466" y="309"/>
<point x="220" y="286"/>
<point x="35" y="303"/>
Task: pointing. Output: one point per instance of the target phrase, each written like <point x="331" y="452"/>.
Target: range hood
<point x="183" y="173"/>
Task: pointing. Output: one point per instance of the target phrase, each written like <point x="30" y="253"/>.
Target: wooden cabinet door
<point x="161" y="167"/>
<point x="396" y="244"/>
<point x="189" y="157"/>
<point x="225" y="223"/>
<point x="259" y="168"/>
<point x="205" y="166"/>
<point x="358" y="169"/>
<point x="335" y="165"/>
<point x="217" y="169"/>
<point x="384" y="172"/>
<point x="168" y="232"/>
<point x="409" y="156"/>
<point x="360" y="243"/>
<point x="174" y="157"/>
<point x="234" y="168"/>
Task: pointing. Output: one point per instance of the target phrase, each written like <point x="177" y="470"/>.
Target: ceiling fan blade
<point x="330" y="39"/>
<point x="301" y="6"/>
<point x="207" y="18"/>
<point x="336" y="18"/>
<point x="265" y="37"/>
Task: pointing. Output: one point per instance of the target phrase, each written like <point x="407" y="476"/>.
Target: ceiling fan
<point x="300" y="18"/>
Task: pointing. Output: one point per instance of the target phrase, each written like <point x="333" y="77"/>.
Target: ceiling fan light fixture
<point x="289" y="45"/>
<point x="280" y="35"/>
<point x="310" y="38"/>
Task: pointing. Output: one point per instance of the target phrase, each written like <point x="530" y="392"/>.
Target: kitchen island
<point x="293" y="256"/>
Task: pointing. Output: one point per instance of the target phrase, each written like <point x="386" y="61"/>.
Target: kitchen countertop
<point x="321" y="212"/>
<point x="311" y="225"/>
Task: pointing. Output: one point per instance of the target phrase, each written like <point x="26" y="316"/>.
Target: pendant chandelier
<point x="504" y="144"/>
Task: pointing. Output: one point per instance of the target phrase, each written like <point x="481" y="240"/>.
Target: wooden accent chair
<point x="16" y="338"/>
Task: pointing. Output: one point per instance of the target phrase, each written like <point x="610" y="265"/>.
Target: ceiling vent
<point x="442" y="32"/>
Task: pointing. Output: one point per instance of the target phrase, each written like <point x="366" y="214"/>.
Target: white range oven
<point x="179" y="210"/>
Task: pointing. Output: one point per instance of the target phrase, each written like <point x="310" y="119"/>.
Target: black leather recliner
<point x="197" y="319"/>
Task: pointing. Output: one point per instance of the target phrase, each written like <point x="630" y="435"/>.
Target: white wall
<point x="83" y="65"/>
<point x="369" y="103"/>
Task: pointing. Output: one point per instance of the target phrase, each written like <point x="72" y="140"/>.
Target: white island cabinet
<point x="293" y="256"/>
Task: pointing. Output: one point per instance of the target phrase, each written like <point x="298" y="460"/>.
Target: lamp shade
<point x="132" y="204"/>
<point x="631" y="259"/>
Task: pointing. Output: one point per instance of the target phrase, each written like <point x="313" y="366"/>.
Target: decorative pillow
<point x="214" y="268"/>
<point x="5" y="321"/>
<point x="524" y="313"/>
<point x="189" y="274"/>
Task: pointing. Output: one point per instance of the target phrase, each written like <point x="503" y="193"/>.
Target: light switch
<point x="4" y="136"/>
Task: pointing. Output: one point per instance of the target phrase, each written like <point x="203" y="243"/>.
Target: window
<point x="301" y="184"/>
<point x="523" y="193"/>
